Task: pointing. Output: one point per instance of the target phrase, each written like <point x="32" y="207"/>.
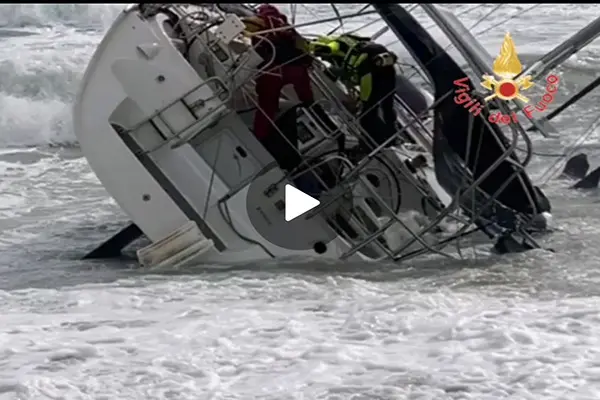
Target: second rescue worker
<point x="359" y="61"/>
<point x="286" y="62"/>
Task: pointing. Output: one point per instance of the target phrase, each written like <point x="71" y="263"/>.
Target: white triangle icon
<point x="297" y="203"/>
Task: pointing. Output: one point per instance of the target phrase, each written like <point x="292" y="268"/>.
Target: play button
<point x="297" y="203"/>
<point x="277" y="211"/>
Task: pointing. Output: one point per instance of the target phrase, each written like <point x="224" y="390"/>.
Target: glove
<point x="318" y="48"/>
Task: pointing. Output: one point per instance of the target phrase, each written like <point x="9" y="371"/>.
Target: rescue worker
<point x="287" y="61"/>
<point x="360" y="62"/>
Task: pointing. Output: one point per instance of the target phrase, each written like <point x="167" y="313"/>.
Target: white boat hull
<point x="133" y="120"/>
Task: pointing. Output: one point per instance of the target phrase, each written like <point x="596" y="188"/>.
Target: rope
<point x="212" y="177"/>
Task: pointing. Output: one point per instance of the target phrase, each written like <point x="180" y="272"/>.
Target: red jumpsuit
<point x="288" y="65"/>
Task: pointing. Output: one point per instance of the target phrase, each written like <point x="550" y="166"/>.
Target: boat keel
<point x="112" y="247"/>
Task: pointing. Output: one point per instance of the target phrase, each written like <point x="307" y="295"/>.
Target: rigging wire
<point x="341" y="25"/>
<point x="464" y="12"/>
<point x="383" y="30"/>
<point x="458" y="14"/>
<point x="539" y="154"/>
<point x="339" y="17"/>
<point x="485" y="30"/>
<point x="311" y="23"/>
<point x="492" y="11"/>
<point x="520" y="13"/>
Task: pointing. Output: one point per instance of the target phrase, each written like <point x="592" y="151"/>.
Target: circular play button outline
<point x="276" y="211"/>
<point x="297" y="203"/>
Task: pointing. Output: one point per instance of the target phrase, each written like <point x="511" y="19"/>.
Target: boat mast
<point x="475" y="54"/>
<point x="564" y="50"/>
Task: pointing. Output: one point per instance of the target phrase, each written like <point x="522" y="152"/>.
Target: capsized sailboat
<point x="164" y="117"/>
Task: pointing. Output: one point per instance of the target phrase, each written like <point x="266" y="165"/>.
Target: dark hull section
<point x="411" y="95"/>
<point x="477" y="151"/>
<point x="113" y="246"/>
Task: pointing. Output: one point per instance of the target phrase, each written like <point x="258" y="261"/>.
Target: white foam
<point x="473" y="334"/>
<point x="24" y="122"/>
<point x="40" y="73"/>
<point x="280" y="337"/>
<point x="47" y="15"/>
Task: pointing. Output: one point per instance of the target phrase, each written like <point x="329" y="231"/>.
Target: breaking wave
<point x="44" y="49"/>
<point x="51" y="15"/>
